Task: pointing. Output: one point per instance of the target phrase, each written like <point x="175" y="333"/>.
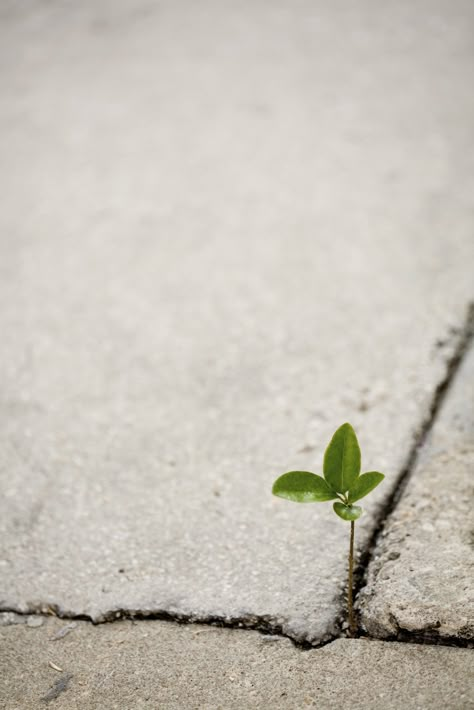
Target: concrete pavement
<point x="420" y="580"/>
<point x="226" y="229"/>
<point x="125" y="666"/>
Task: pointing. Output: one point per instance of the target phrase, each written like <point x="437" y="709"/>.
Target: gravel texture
<point x="125" y="666"/>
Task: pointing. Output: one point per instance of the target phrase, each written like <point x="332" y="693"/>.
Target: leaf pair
<point x="341" y="480"/>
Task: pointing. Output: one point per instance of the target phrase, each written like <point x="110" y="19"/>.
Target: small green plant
<point x="342" y="480"/>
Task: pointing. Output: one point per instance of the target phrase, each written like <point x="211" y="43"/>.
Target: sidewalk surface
<point x="227" y="228"/>
<point x="160" y="665"/>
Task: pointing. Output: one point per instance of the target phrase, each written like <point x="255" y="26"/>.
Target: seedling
<point x="342" y="480"/>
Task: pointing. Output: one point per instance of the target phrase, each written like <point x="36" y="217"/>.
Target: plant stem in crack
<point x="352" y="624"/>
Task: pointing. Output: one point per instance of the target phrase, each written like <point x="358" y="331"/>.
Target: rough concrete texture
<point x="161" y="665"/>
<point x="421" y="579"/>
<point x="227" y="228"/>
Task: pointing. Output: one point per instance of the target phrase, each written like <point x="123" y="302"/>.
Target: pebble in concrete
<point x="126" y="666"/>
<point x="421" y="579"/>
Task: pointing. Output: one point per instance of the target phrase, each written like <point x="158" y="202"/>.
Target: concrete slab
<point x="421" y="579"/>
<point x="161" y="665"/>
<point x="226" y="230"/>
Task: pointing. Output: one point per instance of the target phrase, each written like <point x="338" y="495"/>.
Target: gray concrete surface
<point x="161" y="665"/>
<point x="226" y="229"/>
<point x="421" y="578"/>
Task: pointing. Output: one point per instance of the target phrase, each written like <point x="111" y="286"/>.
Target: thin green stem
<point x="352" y="623"/>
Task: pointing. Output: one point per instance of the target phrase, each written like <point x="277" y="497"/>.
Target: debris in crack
<point x="9" y="618"/>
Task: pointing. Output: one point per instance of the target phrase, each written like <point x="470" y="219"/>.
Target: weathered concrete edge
<point x="426" y="635"/>
<point x="266" y="625"/>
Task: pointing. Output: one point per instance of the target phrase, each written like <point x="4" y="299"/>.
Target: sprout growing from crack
<point x="342" y="480"/>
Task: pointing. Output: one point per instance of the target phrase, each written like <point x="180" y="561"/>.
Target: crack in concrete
<point x="266" y="625"/>
<point x="464" y="337"/>
<point x="263" y="624"/>
<point x="425" y="637"/>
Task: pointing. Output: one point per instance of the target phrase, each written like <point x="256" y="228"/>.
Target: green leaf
<point x="347" y="512"/>
<point x="342" y="459"/>
<point x="302" y="487"/>
<point x="364" y="484"/>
